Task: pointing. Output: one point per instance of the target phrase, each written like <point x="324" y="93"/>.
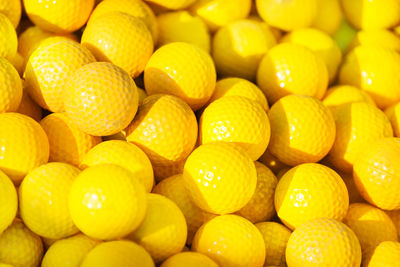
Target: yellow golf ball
<point x="8" y="202"/>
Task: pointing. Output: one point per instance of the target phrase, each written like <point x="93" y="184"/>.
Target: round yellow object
<point x="67" y="143"/>
<point x="379" y="38"/>
<point x="8" y="38"/>
<point x="221" y="178"/>
<point x="371" y="225"/>
<point x="174" y="189"/>
<point x="124" y="154"/>
<point x="344" y="94"/>
<point x="393" y="113"/>
<point x="395" y="216"/>
<point x="321" y="44"/>
<point x="29" y="107"/>
<point x="47" y="86"/>
<point x="10" y="87"/>
<point x="309" y="191"/>
<point x="329" y="16"/>
<point x="8" y="202"/>
<point x="179" y="26"/>
<point x="239" y="47"/>
<point x="239" y="87"/>
<point x="377" y="173"/>
<point x="118" y="254"/>
<point x="135" y="8"/>
<point x="163" y="231"/>
<point x="12" y="9"/>
<point x="172" y="4"/>
<point x="33" y="36"/>
<point x="288" y="15"/>
<point x="230" y="240"/>
<point x="61" y="16"/>
<point x="302" y="130"/>
<point x="162" y="172"/>
<point x="372" y="14"/>
<point x="19" y="63"/>
<point x="218" y="13"/>
<point x="23" y="145"/>
<point x="261" y="206"/>
<point x="101" y="98"/>
<point x="237" y="120"/>
<point x="19" y="246"/>
<point x="275" y="237"/>
<point x="375" y="70"/>
<point x="165" y="128"/>
<point x="289" y="68"/>
<point x="357" y="125"/>
<point x="107" y="201"/>
<point x="272" y="162"/>
<point x="183" y="70"/>
<point x="68" y="252"/>
<point x="142" y="95"/>
<point x="128" y="47"/>
<point x="192" y="259"/>
<point x="43" y="200"/>
<point x="323" y="242"/>
<point x="386" y="253"/>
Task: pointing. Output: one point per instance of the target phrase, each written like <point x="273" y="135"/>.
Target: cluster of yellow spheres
<point x="199" y="133"/>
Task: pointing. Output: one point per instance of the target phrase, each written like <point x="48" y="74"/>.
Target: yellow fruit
<point x="172" y="4"/>
<point x="271" y="162"/>
<point x="47" y="86"/>
<point x="237" y="120"/>
<point x="67" y="143"/>
<point x="386" y="253"/>
<point x="344" y="35"/>
<point x="162" y="172"/>
<point x="372" y="14"/>
<point x="393" y="113"/>
<point x="218" y="13"/>
<point x="379" y="38"/>
<point x="8" y="38"/>
<point x="354" y="194"/>
<point x="20" y="247"/>
<point x="183" y="70"/>
<point x="107" y="201"/>
<point x="230" y="240"/>
<point x="10" y="87"/>
<point x="292" y="69"/>
<point x="174" y="189"/>
<point x="29" y="107"/>
<point x="288" y="15"/>
<point x="192" y="259"/>
<point x="12" y="9"/>
<point x="118" y="254"/>
<point x="43" y="200"/>
<point x="321" y="44"/>
<point x="68" y="252"/>
<point x="302" y="130"/>
<point x="329" y="16"/>
<point x="220" y="178"/>
<point x="344" y="94"/>
<point x="310" y="191"/>
<point x="33" y="36"/>
<point x="8" y="202"/>
<point x="239" y="47"/>
<point x="165" y="128"/>
<point x="23" y="145"/>
<point x="395" y="216"/>
<point x="135" y="8"/>
<point x="323" y="242"/>
<point x="239" y="87"/>
<point x="357" y="125"/>
<point x="179" y="26"/>
<point x="128" y="47"/>
<point x="371" y="225"/>
<point x="124" y="154"/>
<point x="61" y="16"/>
<point x="374" y="70"/>
<point x="163" y="231"/>
<point x="275" y="237"/>
<point x="261" y="205"/>
<point x="377" y="173"/>
<point x="101" y="99"/>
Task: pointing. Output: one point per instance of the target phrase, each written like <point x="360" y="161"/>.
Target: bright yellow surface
<point x="8" y="202"/>
<point x="10" y="87"/>
<point x="8" y="38"/>
<point x="192" y="259"/>
<point x="12" y="9"/>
